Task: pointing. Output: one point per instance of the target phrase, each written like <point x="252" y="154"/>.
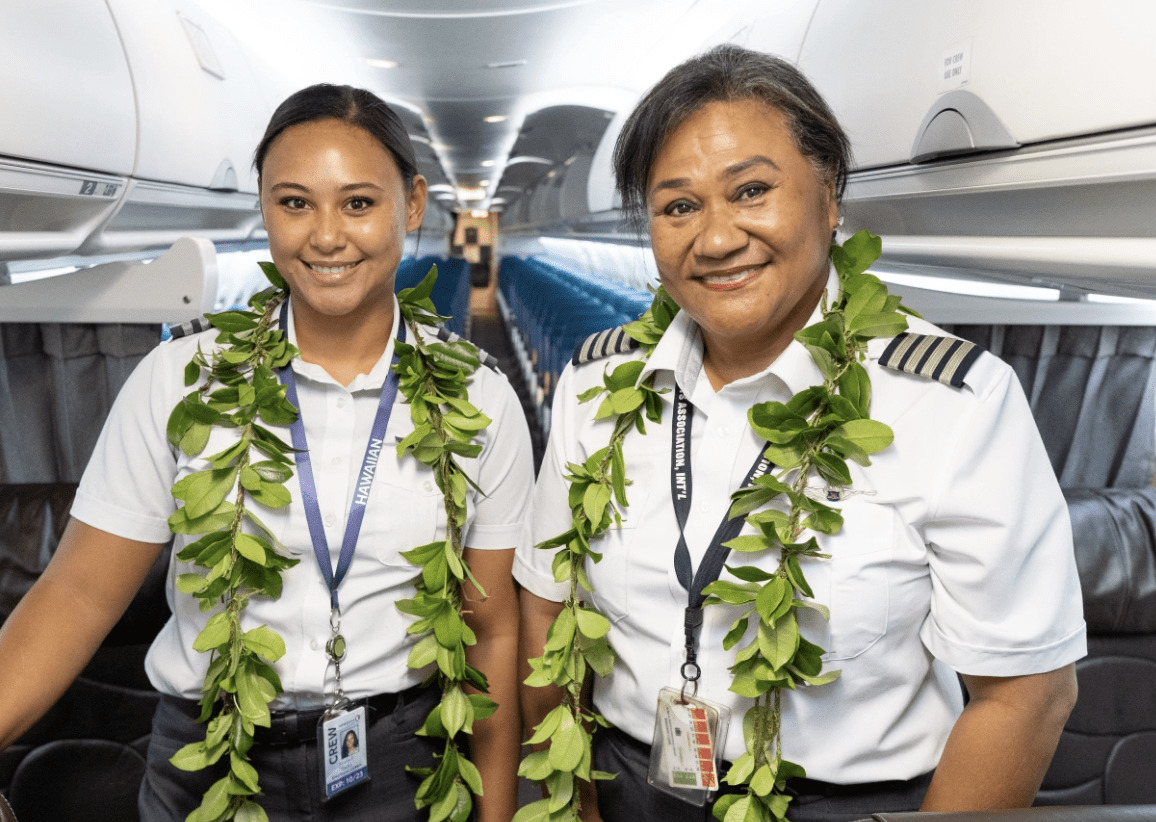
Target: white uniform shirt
<point x="126" y="491"/>
<point x="956" y="553"/>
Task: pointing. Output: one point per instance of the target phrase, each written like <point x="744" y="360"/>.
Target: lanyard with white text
<point x="336" y="645"/>
<point x="713" y="560"/>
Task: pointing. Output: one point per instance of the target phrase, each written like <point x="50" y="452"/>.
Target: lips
<point x="730" y="279"/>
<point x="330" y="268"/>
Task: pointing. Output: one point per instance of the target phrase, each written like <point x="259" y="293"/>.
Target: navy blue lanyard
<point x="364" y="480"/>
<point x="681" y="494"/>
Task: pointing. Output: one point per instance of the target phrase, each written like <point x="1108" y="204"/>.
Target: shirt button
<point x="428" y="486"/>
<point x="341" y="402"/>
<point x="329" y="520"/>
<point x="337" y="461"/>
<point x="315" y="645"/>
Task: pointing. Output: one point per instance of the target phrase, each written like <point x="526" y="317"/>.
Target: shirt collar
<point x="680" y="351"/>
<point x="374" y="380"/>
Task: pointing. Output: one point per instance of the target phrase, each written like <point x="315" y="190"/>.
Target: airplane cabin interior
<point x="1004" y="151"/>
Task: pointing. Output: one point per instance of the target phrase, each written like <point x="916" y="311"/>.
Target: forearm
<point x="537" y="616"/>
<point x="1002" y="744"/>
<point x="496" y="741"/>
<point x="61" y="621"/>
<point x="494" y="621"/>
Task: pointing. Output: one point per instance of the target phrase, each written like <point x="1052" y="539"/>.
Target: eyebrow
<point x="732" y="170"/>
<point x="299" y="187"/>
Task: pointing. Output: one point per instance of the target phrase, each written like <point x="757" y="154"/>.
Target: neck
<point x="346" y="345"/>
<point x="725" y="361"/>
<point x="730" y="357"/>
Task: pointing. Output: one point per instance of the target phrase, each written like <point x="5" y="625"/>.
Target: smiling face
<point x="337" y="211"/>
<point x="740" y="225"/>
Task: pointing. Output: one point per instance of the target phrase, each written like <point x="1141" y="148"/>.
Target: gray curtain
<point x="1091" y="392"/>
<point x="57" y="383"/>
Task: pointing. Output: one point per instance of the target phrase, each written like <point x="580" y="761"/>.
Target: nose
<point x="719" y="233"/>
<point x="328" y="230"/>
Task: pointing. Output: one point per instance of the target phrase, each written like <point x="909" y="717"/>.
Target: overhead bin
<point x="1010" y="141"/>
<point x="68" y="130"/>
<point x="200" y="106"/>
<point x="66" y="87"/>
<point x="126" y="126"/>
<point x="1042" y="69"/>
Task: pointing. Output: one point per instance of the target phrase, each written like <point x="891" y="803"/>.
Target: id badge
<point x="689" y="734"/>
<point x="343" y="742"/>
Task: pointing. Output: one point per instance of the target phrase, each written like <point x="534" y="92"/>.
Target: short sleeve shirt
<point x="126" y="491"/>
<point x="955" y="555"/>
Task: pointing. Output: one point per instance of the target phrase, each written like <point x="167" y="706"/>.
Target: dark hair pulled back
<point x="355" y="106"/>
<point x="727" y="73"/>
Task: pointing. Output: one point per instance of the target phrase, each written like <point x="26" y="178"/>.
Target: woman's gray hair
<point x="727" y="73"/>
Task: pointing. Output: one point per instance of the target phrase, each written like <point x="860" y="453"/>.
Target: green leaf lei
<point x="240" y="391"/>
<point x="816" y="432"/>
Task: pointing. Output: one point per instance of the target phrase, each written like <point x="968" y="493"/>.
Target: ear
<point x="415" y="207"/>
<point x="832" y="206"/>
<point x="260" y="200"/>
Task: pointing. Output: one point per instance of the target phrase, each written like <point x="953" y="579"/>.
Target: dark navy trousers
<point x="290" y="774"/>
<point x="629" y="798"/>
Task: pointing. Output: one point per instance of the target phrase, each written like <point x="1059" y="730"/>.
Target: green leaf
<point x="749" y="544"/>
<point x="878" y="325"/>
<point x="195" y="757"/>
<point x="537" y="811"/>
<point x="265" y="642"/>
<point x="250" y="812"/>
<point x="770" y="597"/>
<point x="195" y="439"/>
<point x="594" y="502"/>
<point x="870" y="435"/>
<point x="455" y="710"/>
<point x="273" y="275"/>
<point x="592" y="623"/>
<point x="215" y="633"/>
<point x="625" y="400"/>
<point x="832" y="469"/>
<point x="244" y="772"/>
<point x="857" y="253"/>
<point x="730" y="593"/>
<point x="210" y="493"/>
<point x="250" y="548"/>
<point x="470" y="775"/>
<point x="232" y="321"/>
<point x="549" y="724"/>
<point x="749" y="573"/>
<point x="250" y="700"/>
<point x="567" y="744"/>
<point x="778" y="644"/>
<point x="423" y="653"/>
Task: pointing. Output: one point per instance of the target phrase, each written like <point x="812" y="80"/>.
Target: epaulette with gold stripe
<point x="604" y="344"/>
<point x="193" y="326"/>
<point x="486" y="359"/>
<point x="946" y="359"/>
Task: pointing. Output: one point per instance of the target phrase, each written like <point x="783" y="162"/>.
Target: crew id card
<point x="689" y="734"/>
<point x="344" y="756"/>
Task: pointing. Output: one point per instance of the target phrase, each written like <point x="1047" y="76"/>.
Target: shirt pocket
<point x="405" y="517"/>
<point x="860" y="595"/>
<point x="617" y="577"/>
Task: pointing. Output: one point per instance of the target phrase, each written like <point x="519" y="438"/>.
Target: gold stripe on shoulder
<point x="945" y="359"/>
<point x="604" y="344"/>
<point x="193" y="326"/>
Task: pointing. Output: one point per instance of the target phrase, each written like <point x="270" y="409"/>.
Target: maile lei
<point x="816" y="432"/>
<point x="242" y="558"/>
